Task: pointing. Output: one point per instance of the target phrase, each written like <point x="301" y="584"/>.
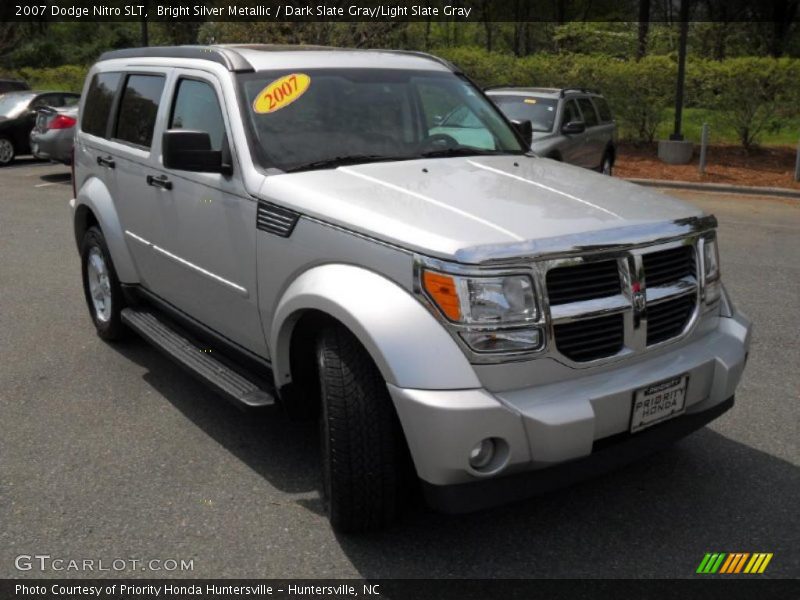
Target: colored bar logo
<point x="734" y="562"/>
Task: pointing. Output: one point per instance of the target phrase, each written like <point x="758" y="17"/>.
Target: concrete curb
<point x="718" y="187"/>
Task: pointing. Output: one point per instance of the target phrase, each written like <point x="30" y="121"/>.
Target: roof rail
<point x="227" y="57"/>
<point x="441" y="61"/>
<point x="579" y="90"/>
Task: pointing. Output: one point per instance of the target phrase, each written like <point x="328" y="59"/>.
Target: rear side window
<point x="138" y="109"/>
<point x="602" y="108"/>
<point x="196" y="107"/>
<point x="99" y="99"/>
<point x="589" y="114"/>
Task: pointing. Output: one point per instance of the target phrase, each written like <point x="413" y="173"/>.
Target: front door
<point x="207" y="224"/>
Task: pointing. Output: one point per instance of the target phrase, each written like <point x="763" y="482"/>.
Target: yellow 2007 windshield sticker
<point x="281" y="93"/>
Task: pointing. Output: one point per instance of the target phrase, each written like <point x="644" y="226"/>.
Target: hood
<point x="442" y="207"/>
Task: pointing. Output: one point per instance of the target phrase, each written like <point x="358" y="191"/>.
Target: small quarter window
<point x="196" y="107"/>
<point x="602" y="108"/>
<point x="98" y="103"/>
<point x="138" y="109"/>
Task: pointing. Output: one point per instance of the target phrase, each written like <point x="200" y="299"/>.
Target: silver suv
<point x="572" y="125"/>
<point x="294" y="226"/>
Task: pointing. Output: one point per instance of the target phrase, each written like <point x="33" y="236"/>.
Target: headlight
<point x="494" y="309"/>
<point x="483" y="300"/>
<point x="711" y="273"/>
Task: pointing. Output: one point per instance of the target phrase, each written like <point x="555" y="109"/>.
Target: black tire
<point x="7" y="151"/>
<point x="364" y="458"/>
<point x="607" y="165"/>
<point x="110" y="328"/>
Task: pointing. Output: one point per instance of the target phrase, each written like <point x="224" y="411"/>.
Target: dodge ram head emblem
<point x="638" y="298"/>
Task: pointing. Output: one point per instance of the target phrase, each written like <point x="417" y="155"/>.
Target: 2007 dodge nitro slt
<point x="450" y="307"/>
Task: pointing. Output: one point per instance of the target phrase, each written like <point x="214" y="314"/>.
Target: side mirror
<point x="574" y="127"/>
<point x="188" y="150"/>
<point x="525" y="129"/>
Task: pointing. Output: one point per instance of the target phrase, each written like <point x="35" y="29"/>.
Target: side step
<point x="194" y="359"/>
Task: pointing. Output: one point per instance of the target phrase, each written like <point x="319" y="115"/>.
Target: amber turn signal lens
<point x="442" y="289"/>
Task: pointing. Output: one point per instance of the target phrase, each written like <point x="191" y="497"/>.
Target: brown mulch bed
<point x="765" y="167"/>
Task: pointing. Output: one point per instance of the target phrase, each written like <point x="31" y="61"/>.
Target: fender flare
<point x="408" y="344"/>
<point x="95" y="197"/>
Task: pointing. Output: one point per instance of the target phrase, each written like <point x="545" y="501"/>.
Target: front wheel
<point x="362" y="444"/>
<point x="607" y="166"/>
<point x="6" y="151"/>
<point x="101" y="286"/>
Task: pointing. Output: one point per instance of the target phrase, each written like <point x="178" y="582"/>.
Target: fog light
<point x="482" y="454"/>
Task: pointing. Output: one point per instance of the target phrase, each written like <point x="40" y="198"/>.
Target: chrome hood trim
<point x="619" y="238"/>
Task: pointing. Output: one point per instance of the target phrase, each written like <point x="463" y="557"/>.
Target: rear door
<point x="572" y="147"/>
<point x="132" y="151"/>
<point x="594" y="140"/>
<point x="207" y="222"/>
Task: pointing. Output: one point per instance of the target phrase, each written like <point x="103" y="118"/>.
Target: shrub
<point x="752" y="95"/>
<point x="66" y="78"/>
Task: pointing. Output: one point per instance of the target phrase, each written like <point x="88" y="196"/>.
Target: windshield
<point x="541" y="112"/>
<point x="324" y="118"/>
<point x="14" y="103"/>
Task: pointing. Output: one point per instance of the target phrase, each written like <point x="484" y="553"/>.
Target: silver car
<point x="300" y="226"/>
<point x="52" y="136"/>
<point x="570" y="125"/>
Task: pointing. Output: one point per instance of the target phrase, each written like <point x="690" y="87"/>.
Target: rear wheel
<point x="363" y="452"/>
<point x="6" y="151"/>
<point x="100" y="286"/>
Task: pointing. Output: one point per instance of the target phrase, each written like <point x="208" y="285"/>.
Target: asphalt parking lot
<point x="112" y="452"/>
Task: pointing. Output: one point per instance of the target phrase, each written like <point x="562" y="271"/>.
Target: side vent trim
<point x="276" y="219"/>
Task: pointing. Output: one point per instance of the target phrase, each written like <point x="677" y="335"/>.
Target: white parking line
<point x="43" y="185"/>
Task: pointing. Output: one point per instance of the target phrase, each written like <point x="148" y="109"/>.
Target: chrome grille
<point x="585" y="281"/>
<point x="590" y="339"/>
<point x="668" y="318"/>
<point x="667" y="266"/>
<point x="623" y="302"/>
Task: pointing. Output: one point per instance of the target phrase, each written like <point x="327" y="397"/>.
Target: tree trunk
<point x="644" y="28"/>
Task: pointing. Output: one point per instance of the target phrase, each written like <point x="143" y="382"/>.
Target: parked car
<point x="296" y="226"/>
<point x="12" y="85"/>
<point x="570" y="125"/>
<point x="52" y="136"/>
<point x="18" y="117"/>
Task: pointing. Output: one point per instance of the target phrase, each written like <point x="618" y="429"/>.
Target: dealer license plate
<point x="658" y="402"/>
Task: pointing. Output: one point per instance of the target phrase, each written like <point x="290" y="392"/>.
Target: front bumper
<point x="553" y="434"/>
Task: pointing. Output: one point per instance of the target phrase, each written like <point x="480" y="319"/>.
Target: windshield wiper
<point x="461" y="151"/>
<point x="339" y="161"/>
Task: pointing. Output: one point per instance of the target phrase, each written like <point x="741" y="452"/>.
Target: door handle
<point x="106" y="162"/>
<point x="159" y="182"/>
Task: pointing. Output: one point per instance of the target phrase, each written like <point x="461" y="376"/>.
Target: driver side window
<point x="571" y="113"/>
<point x="196" y="107"/>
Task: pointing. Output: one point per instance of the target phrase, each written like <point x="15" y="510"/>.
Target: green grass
<point x="721" y="133"/>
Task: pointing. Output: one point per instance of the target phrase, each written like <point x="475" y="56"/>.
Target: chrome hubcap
<point x="99" y="284"/>
<point x="6" y="151"/>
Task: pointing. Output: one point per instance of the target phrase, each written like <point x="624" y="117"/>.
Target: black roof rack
<point x="227" y="57"/>
<point x="579" y="91"/>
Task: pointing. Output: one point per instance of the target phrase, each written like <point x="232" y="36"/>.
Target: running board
<point x="198" y="361"/>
